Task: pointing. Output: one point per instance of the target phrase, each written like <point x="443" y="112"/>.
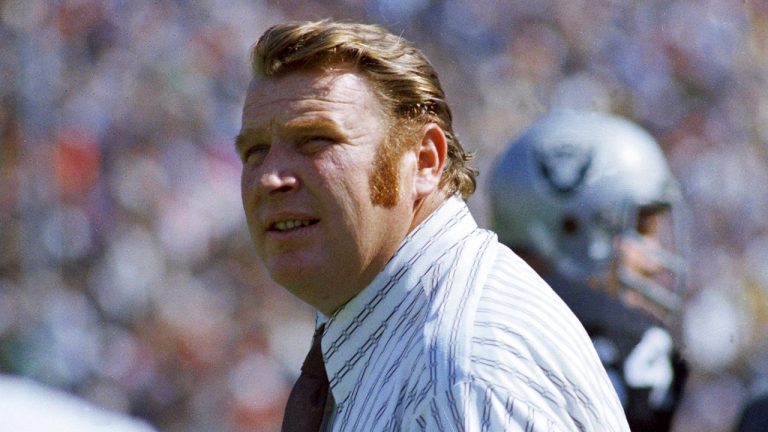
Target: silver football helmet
<point x="576" y="186"/>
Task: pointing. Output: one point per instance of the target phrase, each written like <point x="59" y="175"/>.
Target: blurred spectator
<point x="29" y="406"/>
<point x="126" y="276"/>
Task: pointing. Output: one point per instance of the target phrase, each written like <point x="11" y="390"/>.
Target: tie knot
<point x="314" y="365"/>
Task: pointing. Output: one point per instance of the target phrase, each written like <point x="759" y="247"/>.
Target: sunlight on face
<point x="323" y="197"/>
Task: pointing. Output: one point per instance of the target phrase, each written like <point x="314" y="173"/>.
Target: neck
<point x="425" y="206"/>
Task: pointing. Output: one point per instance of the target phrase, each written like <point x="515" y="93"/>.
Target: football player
<point x="589" y="201"/>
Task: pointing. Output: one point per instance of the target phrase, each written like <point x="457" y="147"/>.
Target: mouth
<point x="289" y="225"/>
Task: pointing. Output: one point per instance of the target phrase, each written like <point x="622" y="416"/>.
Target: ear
<point x="431" y="156"/>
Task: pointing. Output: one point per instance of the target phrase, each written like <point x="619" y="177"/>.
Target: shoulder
<point x="638" y="352"/>
<point x="529" y="344"/>
<point x="515" y="300"/>
<point x="599" y="312"/>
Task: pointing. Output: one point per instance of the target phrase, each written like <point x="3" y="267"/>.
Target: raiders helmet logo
<point x="564" y="165"/>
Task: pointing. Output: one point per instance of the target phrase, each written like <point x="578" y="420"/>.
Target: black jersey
<point x="754" y="417"/>
<point x="637" y="351"/>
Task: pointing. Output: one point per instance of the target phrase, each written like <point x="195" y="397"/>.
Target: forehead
<point x="340" y="95"/>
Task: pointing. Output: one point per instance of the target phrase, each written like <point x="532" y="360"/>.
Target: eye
<point x="255" y="154"/>
<point x="321" y="139"/>
<point x="315" y="143"/>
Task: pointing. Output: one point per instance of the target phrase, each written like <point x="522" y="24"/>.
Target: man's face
<point x="309" y="141"/>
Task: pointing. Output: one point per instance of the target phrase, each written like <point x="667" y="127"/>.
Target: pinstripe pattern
<point x="458" y="334"/>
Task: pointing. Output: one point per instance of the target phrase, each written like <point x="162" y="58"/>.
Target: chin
<point x="306" y="290"/>
<point x="312" y="285"/>
<point x="294" y="278"/>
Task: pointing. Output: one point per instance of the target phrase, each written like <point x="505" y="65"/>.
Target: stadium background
<point x="126" y="272"/>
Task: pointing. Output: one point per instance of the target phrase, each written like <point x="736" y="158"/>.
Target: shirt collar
<point x="358" y="322"/>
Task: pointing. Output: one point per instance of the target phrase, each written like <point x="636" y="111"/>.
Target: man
<point x="353" y="186"/>
<point x="28" y="406"/>
<point x="588" y="199"/>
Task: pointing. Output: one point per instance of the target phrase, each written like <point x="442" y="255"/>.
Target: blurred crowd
<point x="127" y="275"/>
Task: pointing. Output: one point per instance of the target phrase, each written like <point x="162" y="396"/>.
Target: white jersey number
<point x="649" y="365"/>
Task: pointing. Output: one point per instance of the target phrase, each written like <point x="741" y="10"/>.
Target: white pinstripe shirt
<point x="458" y="334"/>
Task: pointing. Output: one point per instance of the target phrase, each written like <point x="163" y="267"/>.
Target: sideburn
<point x="384" y="179"/>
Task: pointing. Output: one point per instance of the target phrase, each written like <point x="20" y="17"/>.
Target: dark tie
<point x="306" y="404"/>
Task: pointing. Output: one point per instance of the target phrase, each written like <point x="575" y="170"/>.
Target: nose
<point x="276" y="181"/>
<point x="276" y="174"/>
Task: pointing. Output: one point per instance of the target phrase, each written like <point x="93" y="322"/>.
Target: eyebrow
<point x="294" y="126"/>
<point x="304" y="125"/>
<point x="241" y="138"/>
